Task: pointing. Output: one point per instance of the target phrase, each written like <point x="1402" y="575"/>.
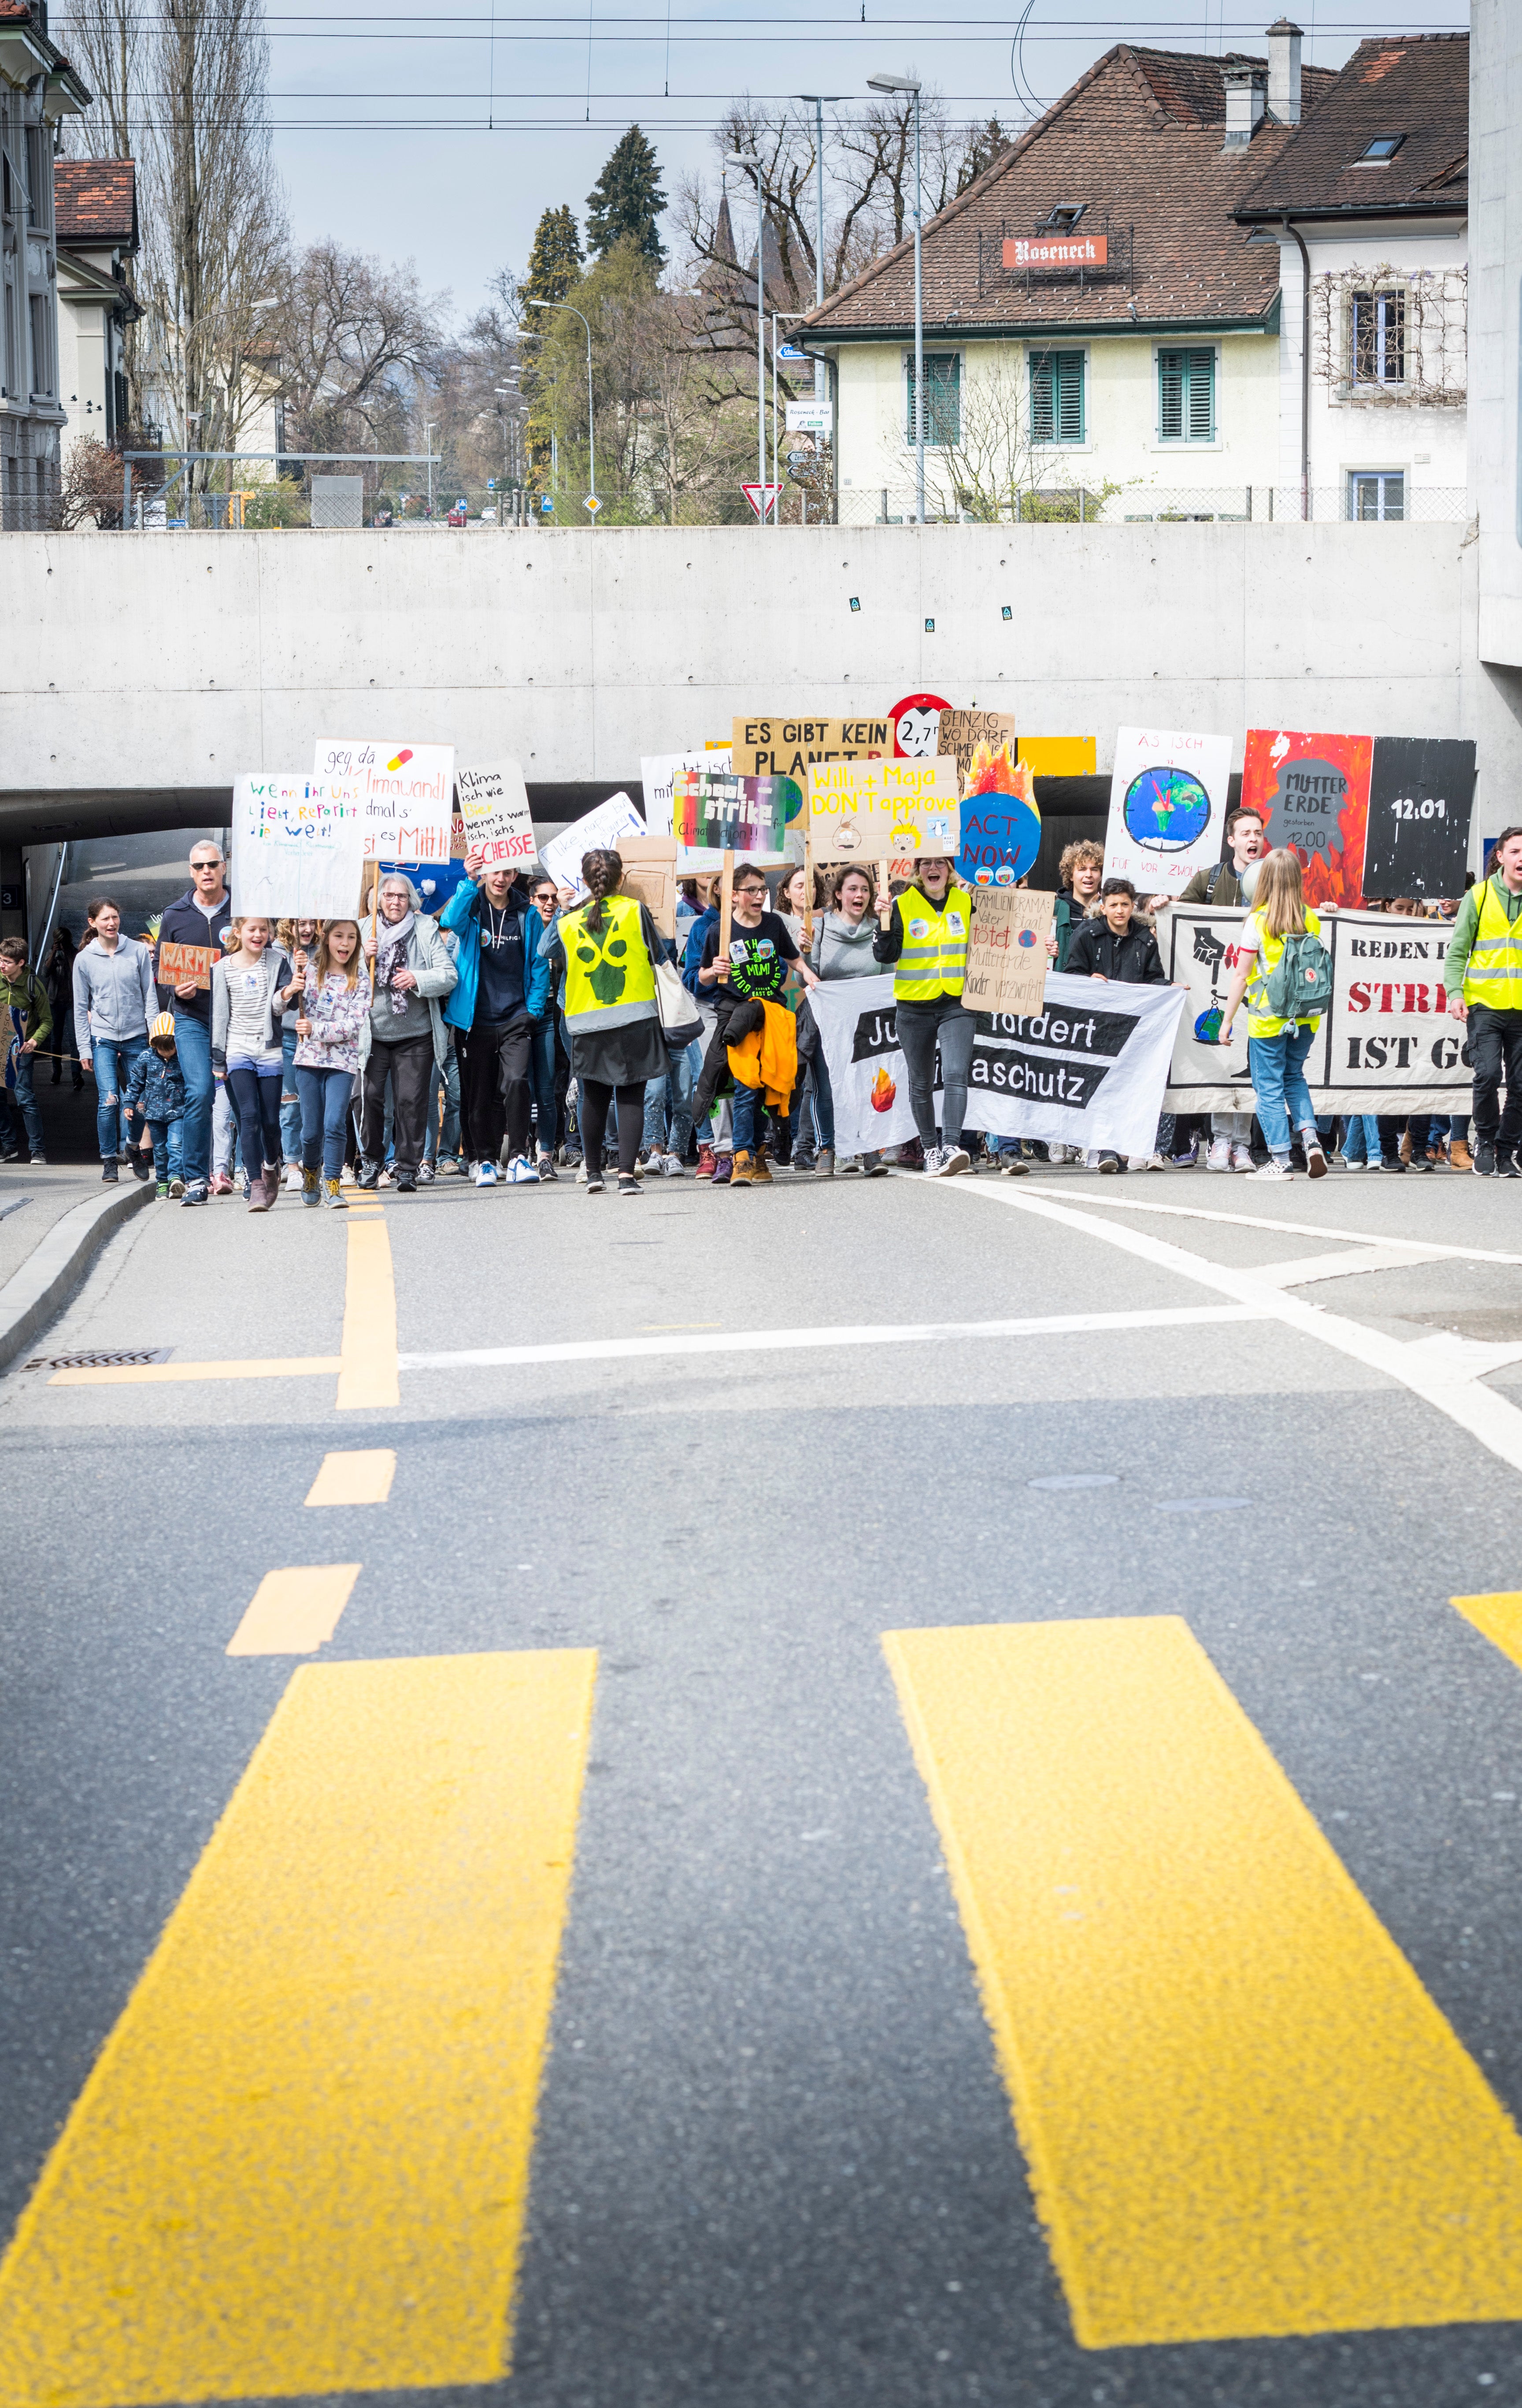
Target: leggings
<point x="593" y="1100"/>
<point x="325" y="1098"/>
<point x="920" y="1028"/>
<point x="256" y="1100"/>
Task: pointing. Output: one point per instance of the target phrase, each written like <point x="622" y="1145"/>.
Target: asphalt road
<point x="775" y="2159"/>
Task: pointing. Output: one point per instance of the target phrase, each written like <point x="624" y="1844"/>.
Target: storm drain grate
<point x="98" y="1362"/>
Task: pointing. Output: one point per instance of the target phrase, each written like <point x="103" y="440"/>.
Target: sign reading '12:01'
<point x="1057" y="250"/>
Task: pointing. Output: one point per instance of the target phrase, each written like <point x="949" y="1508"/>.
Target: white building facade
<point x="37" y="90"/>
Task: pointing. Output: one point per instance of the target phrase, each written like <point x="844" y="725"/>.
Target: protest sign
<point x="961" y="733"/>
<point x="1000" y="826"/>
<point x="659" y="773"/>
<point x="1421" y="795"/>
<point x="495" y="815"/>
<point x="873" y="810"/>
<point x="604" y="824"/>
<point x="717" y="808"/>
<point x="1386" y="1044"/>
<point x="1078" y="1072"/>
<point x="649" y="873"/>
<point x="406" y="794"/>
<point x="772" y="743"/>
<point x="184" y="965"/>
<point x="1313" y="793"/>
<point x="298" y="846"/>
<point x="1168" y="799"/>
<point x="916" y="725"/>
<point x="1006" y="950"/>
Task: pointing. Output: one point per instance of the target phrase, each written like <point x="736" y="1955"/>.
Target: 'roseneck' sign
<point x="1057" y="250"/>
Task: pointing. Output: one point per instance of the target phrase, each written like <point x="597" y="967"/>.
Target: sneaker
<point x="628" y="1184"/>
<point x="929" y="1160"/>
<point x="591" y="1180"/>
<point x="369" y="1175"/>
<point x="311" y="1188"/>
<point x="333" y="1196"/>
<point x="583" y="1175"/>
<point x="485" y="1175"/>
<point x="290" y="1176"/>
<point x="1273" y="1169"/>
<point x="546" y="1165"/>
<point x="874" y="1166"/>
<point x="388" y="1179"/>
<point x="176" y="1189"/>
<point x="406" y="1182"/>
<point x="650" y="1162"/>
<point x="162" y="1191"/>
<point x="850" y="1167"/>
<point x="1190" y="1155"/>
<point x="1507" y="1166"/>
<point x="108" y="1173"/>
<point x="673" y="1167"/>
<point x="610" y="1162"/>
<point x="1359" y="1165"/>
<point x="1015" y="1166"/>
<point x="195" y="1193"/>
<point x="705" y="1162"/>
<point x="142" y="1166"/>
<point x="1151" y="1162"/>
<point x="1316" y="1160"/>
<point x="1242" y="1158"/>
<point x="521" y="1172"/>
<point x="451" y="1168"/>
<point x="221" y="1183"/>
<point x="1394" y="1164"/>
<point x="1423" y="1162"/>
<point x="1220" y="1157"/>
<point x="425" y="1174"/>
<point x="1483" y="1161"/>
<point x="723" y="1169"/>
<point x="39" y="1161"/>
<point x="1091" y="1159"/>
<point x="954" y="1158"/>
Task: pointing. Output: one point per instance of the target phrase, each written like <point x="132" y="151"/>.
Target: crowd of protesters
<point x="522" y="1032"/>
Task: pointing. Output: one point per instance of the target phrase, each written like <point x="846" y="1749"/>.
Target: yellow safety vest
<point x="934" y="958"/>
<point x="609" y="975"/>
<point x="1494" y="971"/>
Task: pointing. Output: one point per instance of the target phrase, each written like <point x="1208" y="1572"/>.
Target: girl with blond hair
<point x="1286" y="973"/>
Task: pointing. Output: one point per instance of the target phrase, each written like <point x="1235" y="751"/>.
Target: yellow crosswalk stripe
<point x="369" y="1375"/>
<point x="362" y="1475"/>
<point x="294" y="1612"/>
<point x="1498" y="1617"/>
<point x="300" y="2163"/>
<point x="1242" y="2113"/>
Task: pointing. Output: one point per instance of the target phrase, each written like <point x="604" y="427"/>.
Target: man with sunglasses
<point x="203" y="917"/>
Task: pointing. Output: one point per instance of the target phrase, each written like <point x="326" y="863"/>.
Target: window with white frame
<point x="943" y="398"/>
<point x="42" y="366"/>
<point x="1186" y="395"/>
<point x="1057" y="397"/>
<point x="1377" y="335"/>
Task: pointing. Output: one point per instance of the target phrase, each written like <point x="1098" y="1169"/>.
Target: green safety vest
<point x="1494" y="971"/>
<point x="934" y="958"/>
<point x="609" y="975"/>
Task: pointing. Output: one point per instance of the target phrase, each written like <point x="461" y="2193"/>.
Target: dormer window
<point x="1383" y="147"/>
<point x="1062" y="219"/>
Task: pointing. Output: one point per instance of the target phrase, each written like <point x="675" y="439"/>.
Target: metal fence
<point x="1363" y="501"/>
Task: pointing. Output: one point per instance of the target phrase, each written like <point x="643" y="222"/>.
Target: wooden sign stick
<point x="808" y="894"/>
<point x="726" y="901"/>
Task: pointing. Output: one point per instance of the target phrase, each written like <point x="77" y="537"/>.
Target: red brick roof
<point x="95" y="200"/>
<point x="1138" y="139"/>
<point x="1416" y="85"/>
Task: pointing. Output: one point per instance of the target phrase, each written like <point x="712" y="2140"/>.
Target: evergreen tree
<point x="555" y="260"/>
<point x="626" y="200"/>
<point x="984" y="144"/>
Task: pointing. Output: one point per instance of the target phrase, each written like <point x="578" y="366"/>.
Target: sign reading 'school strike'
<point x="874" y="810"/>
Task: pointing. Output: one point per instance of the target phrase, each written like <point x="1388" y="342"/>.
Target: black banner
<point x="1103" y="1033"/>
<point x="1011" y="1070"/>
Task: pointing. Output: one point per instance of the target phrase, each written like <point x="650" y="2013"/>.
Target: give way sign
<point x="762" y="498"/>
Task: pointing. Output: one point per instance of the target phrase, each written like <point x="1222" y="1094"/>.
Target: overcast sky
<point x="439" y="133"/>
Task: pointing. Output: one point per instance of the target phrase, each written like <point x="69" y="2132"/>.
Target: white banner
<point x="495" y="816"/>
<point x="298" y="846"/>
<point x="660" y="772"/>
<point x="407" y="791"/>
<point x="1088" y="1069"/>
<point x="1168" y="801"/>
<point x="1387" y="1044"/>
<point x="602" y="825"/>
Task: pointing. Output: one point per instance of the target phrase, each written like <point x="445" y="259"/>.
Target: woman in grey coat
<point x="114" y="999"/>
<point x="404" y="1037"/>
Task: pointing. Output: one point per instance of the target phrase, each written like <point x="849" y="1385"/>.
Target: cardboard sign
<point x="658" y="774"/>
<point x="406" y="794"/>
<point x="774" y="745"/>
<point x="1001" y="826"/>
<point x="495" y="816"/>
<point x="298" y="846"/>
<point x="1168" y="799"/>
<point x="1007" y="951"/>
<point x="732" y="812"/>
<point x="878" y="810"/>
<point x="1313" y="793"/>
<point x="962" y="732"/>
<point x="185" y="965"/>
<point x="605" y="824"/>
<point x="1421" y="795"/>
<point x="649" y="873"/>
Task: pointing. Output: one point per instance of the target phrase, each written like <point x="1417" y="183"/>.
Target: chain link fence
<point x="1383" y="497"/>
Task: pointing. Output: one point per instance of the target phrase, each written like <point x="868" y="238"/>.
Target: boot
<point x="264" y="1190"/>
<point x="705" y="1162"/>
<point x="744" y="1172"/>
<point x="761" y="1169"/>
<point x="1459" y="1156"/>
<point x="311" y="1187"/>
<point x="333" y="1194"/>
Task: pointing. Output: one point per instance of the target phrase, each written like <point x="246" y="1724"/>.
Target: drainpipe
<point x="1304" y="370"/>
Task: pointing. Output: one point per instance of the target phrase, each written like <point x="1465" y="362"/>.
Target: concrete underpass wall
<point x="172" y="662"/>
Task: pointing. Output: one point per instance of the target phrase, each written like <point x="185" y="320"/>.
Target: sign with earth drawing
<point x="1168" y="801"/>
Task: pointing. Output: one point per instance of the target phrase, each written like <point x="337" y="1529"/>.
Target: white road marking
<point x="761" y="1342"/>
<point x="1309" y="1268"/>
<point x="1101" y="1195"/>
<point x="1439" y="1377"/>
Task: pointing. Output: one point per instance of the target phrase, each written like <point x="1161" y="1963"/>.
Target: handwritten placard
<point x="1006" y="950"/>
<point x="185" y="965"/>
<point x="494" y="814"/>
<point x="297" y="845"/>
<point x="406" y="794"/>
<point x="877" y="811"/>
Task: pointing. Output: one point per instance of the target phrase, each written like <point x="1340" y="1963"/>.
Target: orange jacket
<point x="768" y="1058"/>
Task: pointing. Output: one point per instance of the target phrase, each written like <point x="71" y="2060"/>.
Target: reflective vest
<point x="934" y="958"/>
<point x="609" y="975"/>
<point x="1493" y="974"/>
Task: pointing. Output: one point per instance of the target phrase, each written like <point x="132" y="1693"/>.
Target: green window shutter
<point x="1042" y="399"/>
<point x="943" y="398"/>
<point x="1070" y="397"/>
<point x="1202" y="420"/>
<point x="1173" y="380"/>
<point x="1187" y="397"/>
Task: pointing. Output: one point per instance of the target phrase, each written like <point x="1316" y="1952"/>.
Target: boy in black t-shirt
<point x="754" y="970"/>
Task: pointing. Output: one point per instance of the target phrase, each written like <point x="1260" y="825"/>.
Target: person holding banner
<point x="403" y="1037"/>
<point x="753" y="971"/>
<point x="503" y="986"/>
<point x="1281" y="967"/>
<point x="923" y="932"/>
<point x="249" y="987"/>
<point x="607" y="950"/>
<point x="843" y="950"/>
<point x="335" y="1000"/>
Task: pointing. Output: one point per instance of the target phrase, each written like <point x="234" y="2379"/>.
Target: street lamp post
<point x="527" y="335"/>
<point x="911" y="83"/>
<point x="739" y="159"/>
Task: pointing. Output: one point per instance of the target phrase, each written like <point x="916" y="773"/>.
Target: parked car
<point x="458" y="515"/>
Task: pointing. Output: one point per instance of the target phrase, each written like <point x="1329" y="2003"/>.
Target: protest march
<point x="822" y="948"/>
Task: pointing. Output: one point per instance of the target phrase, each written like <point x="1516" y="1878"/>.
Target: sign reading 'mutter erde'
<point x="1057" y="250"/>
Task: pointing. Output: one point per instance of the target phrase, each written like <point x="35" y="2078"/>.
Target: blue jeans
<point x="193" y="1043"/>
<point x="291" y="1123"/>
<point x="1360" y="1138"/>
<point x="115" y="1126"/>
<point x="542" y="1082"/>
<point x="822" y="1097"/>
<point x="26" y="1103"/>
<point x="325" y="1098"/>
<point x="168" y="1147"/>
<point x="748" y="1117"/>
<point x="1277" y="1066"/>
<point x="676" y="1084"/>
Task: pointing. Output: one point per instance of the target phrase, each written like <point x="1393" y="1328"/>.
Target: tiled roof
<point x="95" y="200"/>
<point x="22" y="12"/>
<point x="1417" y="86"/>
<point x="1138" y="139"/>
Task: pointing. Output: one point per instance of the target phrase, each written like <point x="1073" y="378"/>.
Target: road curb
<point x="56" y="1267"/>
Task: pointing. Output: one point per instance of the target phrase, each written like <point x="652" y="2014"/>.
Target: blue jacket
<point x="156" y="1087"/>
<point x="462" y="914"/>
<point x="692" y="957"/>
